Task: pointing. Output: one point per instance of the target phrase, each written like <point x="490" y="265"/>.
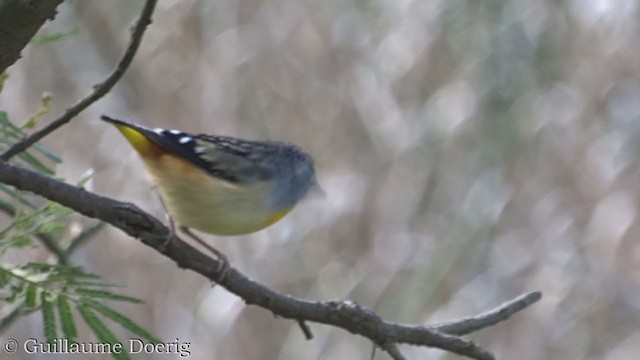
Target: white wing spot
<point x="175" y="132"/>
<point x="185" y="139"/>
<point x="159" y="131"/>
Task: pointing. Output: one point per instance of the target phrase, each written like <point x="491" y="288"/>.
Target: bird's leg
<point x="172" y="224"/>
<point x="224" y="261"/>
<point x="172" y="229"/>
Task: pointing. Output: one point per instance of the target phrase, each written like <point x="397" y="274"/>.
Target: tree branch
<point x="82" y="238"/>
<point x="99" y="90"/>
<point x="305" y="329"/>
<point x="343" y="314"/>
<point x="19" y="22"/>
<point x="489" y="318"/>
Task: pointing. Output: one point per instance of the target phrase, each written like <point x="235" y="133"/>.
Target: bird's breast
<point x="198" y="200"/>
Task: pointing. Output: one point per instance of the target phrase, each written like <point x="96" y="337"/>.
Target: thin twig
<point x="11" y="317"/>
<point x="489" y="318"/>
<point x="392" y="350"/>
<point x="99" y="90"/>
<point x="305" y="329"/>
<point x="343" y="314"/>
<point x="84" y="236"/>
<point x="366" y="322"/>
<point x="15" y="314"/>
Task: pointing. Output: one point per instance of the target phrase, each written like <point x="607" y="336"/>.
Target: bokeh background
<point x="471" y="151"/>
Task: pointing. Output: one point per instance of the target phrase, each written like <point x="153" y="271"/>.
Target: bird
<point x="221" y="185"/>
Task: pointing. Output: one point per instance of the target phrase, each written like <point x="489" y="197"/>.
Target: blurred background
<point x="471" y="151"/>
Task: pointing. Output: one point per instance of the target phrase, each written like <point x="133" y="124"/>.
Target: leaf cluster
<point x="62" y="293"/>
<point x="57" y="291"/>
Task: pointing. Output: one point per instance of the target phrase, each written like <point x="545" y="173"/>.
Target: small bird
<point x="218" y="184"/>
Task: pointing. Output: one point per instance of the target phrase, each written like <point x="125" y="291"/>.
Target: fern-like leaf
<point x="66" y="318"/>
<point x="44" y="38"/>
<point x="48" y="317"/>
<point x="89" y="284"/>
<point x="35" y="163"/>
<point x="31" y="297"/>
<point x="84" y="179"/>
<point x="103" y="294"/>
<point x="4" y="279"/>
<point x="101" y="330"/>
<point x="121" y="319"/>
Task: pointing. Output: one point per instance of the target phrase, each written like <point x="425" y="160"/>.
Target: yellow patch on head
<point x="142" y="144"/>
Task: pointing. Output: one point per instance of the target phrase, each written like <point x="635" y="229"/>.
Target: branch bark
<point x="19" y="22"/>
<point x="343" y="314"/>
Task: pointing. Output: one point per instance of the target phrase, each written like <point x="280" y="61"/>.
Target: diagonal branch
<point x="99" y="90"/>
<point x="343" y="314"/>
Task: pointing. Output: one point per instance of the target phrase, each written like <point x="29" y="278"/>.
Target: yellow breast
<point x="198" y="200"/>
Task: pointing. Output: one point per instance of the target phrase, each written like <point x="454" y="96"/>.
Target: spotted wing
<point x="232" y="159"/>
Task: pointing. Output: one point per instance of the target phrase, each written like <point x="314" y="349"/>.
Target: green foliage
<point x="43" y="109"/>
<point x="107" y="295"/>
<point x="44" y="220"/>
<point x="85" y="178"/>
<point x="10" y="133"/>
<point x="56" y="36"/>
<point x="121" y="319"/>
<point x="100" y="329"/>
<point x="66" y="318"/>
<point x="48" y="317"/>
<point x="56" y="290"/>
